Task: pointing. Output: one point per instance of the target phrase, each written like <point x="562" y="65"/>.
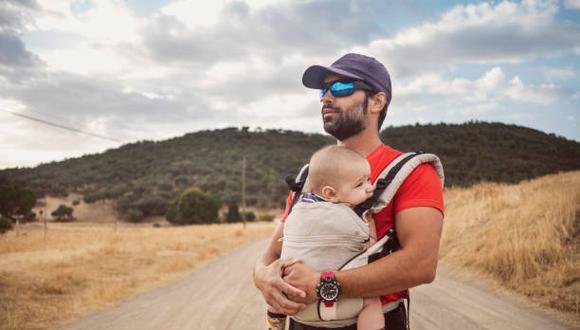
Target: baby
<point x="324" y="232"/>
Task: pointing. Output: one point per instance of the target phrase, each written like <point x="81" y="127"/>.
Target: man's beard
<point x="347" y="123"/>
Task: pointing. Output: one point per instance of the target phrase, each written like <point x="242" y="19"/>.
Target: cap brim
<point x="314" y="76"/>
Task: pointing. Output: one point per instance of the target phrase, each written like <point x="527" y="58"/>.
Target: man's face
<point x="344" y="116"/>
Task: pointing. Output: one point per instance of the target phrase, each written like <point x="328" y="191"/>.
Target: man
<point x="355" y="94"/>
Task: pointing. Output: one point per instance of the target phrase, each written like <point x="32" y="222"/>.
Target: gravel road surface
<point x="222" y="296"/>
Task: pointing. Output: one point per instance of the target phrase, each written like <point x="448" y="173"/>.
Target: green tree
<point x="5" y="224"/>
<point x="233" y="214"/>
<point x="63" y="213"/>
<point x="194" y="206"/>
<point x="16" y="201"/>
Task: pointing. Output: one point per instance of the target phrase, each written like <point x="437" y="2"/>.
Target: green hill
<point x="149" y="175"/>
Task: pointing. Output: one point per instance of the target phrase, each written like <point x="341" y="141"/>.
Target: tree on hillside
<point x="16" y="202"/>
<point x="63" y="213"/>
<point x="194" y="206"/>
<point x="233" y="214"/>
<point x="5" y="224"/>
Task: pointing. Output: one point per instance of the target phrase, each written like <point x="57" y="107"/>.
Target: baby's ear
<point x="329" y="193"/>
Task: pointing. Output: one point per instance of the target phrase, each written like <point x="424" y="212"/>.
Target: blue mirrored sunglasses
<point x="344" y="88"/>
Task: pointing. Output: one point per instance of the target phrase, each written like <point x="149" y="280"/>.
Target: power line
<point x="72" y="129"/>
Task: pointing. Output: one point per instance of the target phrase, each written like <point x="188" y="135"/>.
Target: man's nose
<point x="326" y="98"/>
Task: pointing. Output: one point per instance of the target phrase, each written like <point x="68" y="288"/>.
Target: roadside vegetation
<point x="525" y="236"/>
<point x="80" y="267"/>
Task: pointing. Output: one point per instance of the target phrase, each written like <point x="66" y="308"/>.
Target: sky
<point x="126" y="71"/>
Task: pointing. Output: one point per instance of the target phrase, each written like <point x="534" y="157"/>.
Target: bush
<point x="5" y="224"/>
<point x="135" y="215"/>
<point x="233" y="214"/>
<point x="63" y="213"/>
<point x="151" y="205"/>
<point x="266" y="217"/>
<point x="194" y="206"/>
<point x="249" y="216"/>
<point x="76" y="202"/>
<point x="29" y="217"/>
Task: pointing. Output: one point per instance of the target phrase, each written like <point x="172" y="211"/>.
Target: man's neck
<point x="364" y="143"/>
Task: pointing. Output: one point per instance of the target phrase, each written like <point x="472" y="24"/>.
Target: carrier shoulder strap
<point x="393" y="176"/>
<point x="297" y="184"/>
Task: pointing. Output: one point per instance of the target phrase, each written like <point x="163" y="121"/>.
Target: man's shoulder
<point x="381" y="157"/>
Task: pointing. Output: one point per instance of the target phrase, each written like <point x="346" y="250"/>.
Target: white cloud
<point x="506" y="32"/>
<point x="100" y="21"/>
<point x="493" y="85"/>
<point x="572" y="4"/>
<point x="559" y="73"/>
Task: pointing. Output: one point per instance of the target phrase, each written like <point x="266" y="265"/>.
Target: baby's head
<point x="340" y="175"/>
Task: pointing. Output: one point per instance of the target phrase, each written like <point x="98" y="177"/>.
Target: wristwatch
<point x="328" y="289"/>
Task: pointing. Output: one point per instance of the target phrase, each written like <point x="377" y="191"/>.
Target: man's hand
<point x="303" y="277"/>
<point x="277" y="293"/>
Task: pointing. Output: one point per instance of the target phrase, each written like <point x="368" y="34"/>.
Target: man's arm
<point x="419" y="232"/>
<point x="268" y="277"/>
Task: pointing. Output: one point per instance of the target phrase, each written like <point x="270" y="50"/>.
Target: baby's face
<point x="355" y="186"/>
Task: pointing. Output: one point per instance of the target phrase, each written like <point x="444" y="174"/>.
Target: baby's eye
<point x="358" y="185"/>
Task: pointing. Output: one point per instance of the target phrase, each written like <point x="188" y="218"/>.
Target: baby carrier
<point x="346" y="310"/>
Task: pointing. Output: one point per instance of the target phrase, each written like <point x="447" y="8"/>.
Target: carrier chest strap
<point x="382" y="183"/>
<point x="296" y="184"/>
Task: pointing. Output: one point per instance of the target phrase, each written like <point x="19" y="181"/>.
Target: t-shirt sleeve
<point x="421" y="188"/>
<point x="287" y="210"/>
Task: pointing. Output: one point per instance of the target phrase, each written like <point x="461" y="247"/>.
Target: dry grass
<point x="80" y="268"/>
<point x="526" y="236"/>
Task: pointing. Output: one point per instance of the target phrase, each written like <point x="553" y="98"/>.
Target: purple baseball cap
<point x="355" y="66"/>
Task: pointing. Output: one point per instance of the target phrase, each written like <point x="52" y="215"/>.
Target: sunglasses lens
<point x="342" y="88"/>
<point x="339" y="88"/>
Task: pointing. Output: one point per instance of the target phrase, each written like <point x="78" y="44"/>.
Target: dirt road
<point x="222" y="296"/>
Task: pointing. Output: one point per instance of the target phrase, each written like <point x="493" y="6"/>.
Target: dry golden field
<point x="82" y="267"/>
<point x="525" y="236"/>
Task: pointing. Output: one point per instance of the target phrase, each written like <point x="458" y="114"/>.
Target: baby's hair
<point x="327" y="164"/>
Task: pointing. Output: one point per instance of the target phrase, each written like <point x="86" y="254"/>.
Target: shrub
<point x="194" y="206"/>
<point x="233" y="214"/>
<point x="135" y="215"/>
<point x="249" y="216"/>
<point x="266" y="217"/>
<point x="29" y="217"/>
<point x="5" y="224"/>
<point x="76" y="202"/>
<point x="63" y="213"/>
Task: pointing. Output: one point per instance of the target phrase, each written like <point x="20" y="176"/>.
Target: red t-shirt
<point x="421" y="188"/>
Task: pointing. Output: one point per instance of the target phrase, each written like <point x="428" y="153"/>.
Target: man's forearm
<point x="393" y="273"/>
<point x="419" y="231"/>
<point x="272" y="252"/>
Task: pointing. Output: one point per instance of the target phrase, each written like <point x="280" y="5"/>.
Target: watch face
<point x="329" y="291"/>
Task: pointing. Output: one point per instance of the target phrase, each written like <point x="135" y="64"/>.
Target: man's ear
<point x="329" y="193"/>
<point x="378" y="102"/>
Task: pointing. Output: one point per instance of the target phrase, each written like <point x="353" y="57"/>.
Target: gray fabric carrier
<point x="330" y="237"/>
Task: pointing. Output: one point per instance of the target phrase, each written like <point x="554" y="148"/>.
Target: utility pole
<point x="44" y="220"/>
<point x="244" y="191"/>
